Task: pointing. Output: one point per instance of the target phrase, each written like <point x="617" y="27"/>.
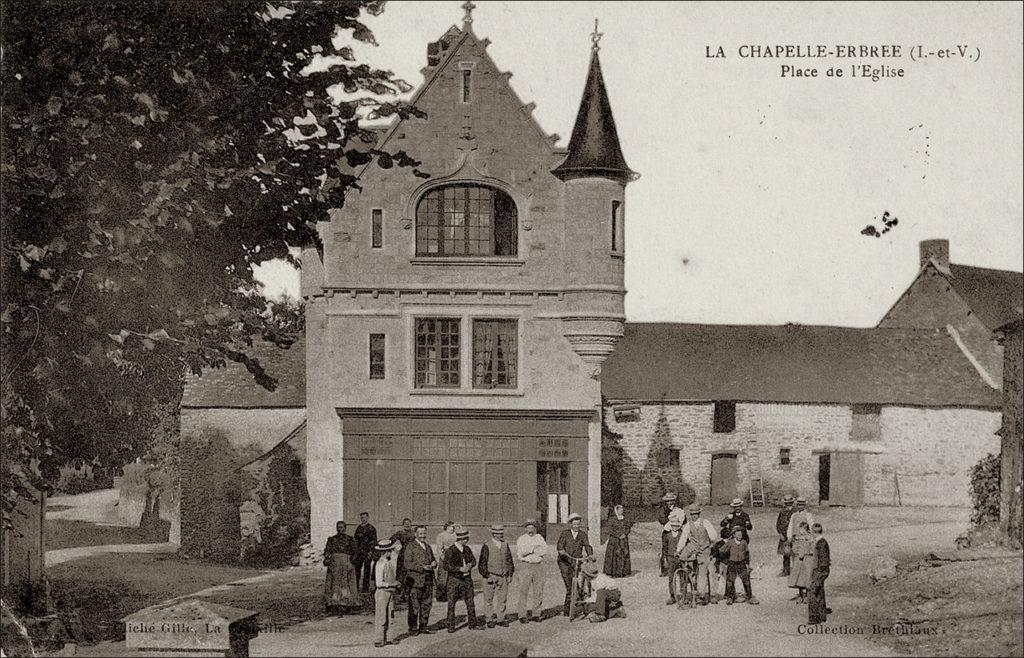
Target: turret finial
<point x="468" y="6"/>
<point x="596" y="37"/>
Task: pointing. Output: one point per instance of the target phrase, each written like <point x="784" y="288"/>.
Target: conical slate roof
<point x="594" y="148"/>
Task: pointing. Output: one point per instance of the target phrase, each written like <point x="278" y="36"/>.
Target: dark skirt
<point x="616" y="558"/>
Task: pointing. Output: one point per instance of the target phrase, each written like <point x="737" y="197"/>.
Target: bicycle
<point x="684" y="581"/>
<point x="580" y="589"/>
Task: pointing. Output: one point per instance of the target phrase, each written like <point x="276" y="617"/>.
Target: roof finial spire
<point x="596" y="37"/>
<point x="468" y="6"/>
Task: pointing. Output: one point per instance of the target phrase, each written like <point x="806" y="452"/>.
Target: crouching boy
<point x="604" y="594"/>
<point x="737" y="560"/>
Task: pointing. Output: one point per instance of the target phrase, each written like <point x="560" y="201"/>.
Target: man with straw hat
<point x="781" y="527"/>
<point x="695" y="541"/>
<point x="800" y="515"/>
<point x="459" y="562"/>
<point x="736" y="518"/>
<point x="496" y="568"/>
<point x="572" y="544"/>
<point x="385" y="575"/>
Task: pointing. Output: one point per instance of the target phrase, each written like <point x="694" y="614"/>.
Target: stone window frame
<point x="465" y="82"/>
<point x="865" y="422"/>
<point x="444" y="326"/>
<point x="724" y="417"/>
<point x="787" y="453"/>
<point x="618" y="228"/>
<point x="466" y="315"/>
<point x="376" y="228"/>
<point x="377" y="366"/>
<point x="497" y="327"/>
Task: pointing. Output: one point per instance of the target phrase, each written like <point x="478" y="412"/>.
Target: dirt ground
<point x="959" y="603"/>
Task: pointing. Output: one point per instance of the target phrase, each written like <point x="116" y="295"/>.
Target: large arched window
<point x="466" y="220"/>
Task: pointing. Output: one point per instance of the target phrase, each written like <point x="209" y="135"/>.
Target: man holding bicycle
<point x="572" y="544"/>
<point x="695" y="541"/>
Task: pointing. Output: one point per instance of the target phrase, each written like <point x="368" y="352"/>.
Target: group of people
<point x="806" y="557"/>
<point x="721" y="555"/>
<point x="406" y="566"/>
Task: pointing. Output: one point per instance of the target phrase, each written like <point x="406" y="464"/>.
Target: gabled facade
<point x="969" y="302"/>
<point x="456" y="324"/>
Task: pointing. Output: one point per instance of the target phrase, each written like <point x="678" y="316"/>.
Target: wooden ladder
<point x="754" y="475"/>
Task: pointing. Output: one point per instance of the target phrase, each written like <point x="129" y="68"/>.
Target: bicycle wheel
<point x="687" y="592"/>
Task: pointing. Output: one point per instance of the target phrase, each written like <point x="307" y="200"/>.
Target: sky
<point x="755" y="187"/>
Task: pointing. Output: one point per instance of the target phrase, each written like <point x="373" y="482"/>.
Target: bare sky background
<point x="755" y="188"/>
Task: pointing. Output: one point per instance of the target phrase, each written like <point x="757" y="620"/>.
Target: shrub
<point x="276" y="492"/>
<point x="210" y="526"/>
<point x="985" y="490"/>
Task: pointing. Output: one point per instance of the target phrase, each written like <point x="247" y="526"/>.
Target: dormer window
<point x="466" y="220"/>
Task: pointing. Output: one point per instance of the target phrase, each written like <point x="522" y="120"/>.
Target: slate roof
<point x="793" y="363"/>
<point x="995" y="296"/>
<point x="594" y="148"/>
<point x="233" y="386"/>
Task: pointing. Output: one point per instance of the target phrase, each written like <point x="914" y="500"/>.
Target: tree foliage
<point x="153" y="153"/>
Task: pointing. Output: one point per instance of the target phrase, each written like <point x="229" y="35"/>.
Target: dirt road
<point x="776" y="627"/>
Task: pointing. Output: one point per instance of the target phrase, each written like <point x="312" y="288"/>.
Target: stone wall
<point x="931" y="450"/>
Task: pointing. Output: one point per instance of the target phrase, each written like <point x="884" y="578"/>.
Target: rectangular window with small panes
<point x="437" y="352"/>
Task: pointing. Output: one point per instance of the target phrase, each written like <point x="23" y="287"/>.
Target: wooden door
<point x="847" y="483"/>
<point x="723" y="479"/>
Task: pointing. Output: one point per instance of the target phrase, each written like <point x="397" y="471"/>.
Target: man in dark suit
<point x="366" y="539"/>
<point x="572" y="543"/>
<point x="418" y="564"/>
<point x="459" y="562"/>
<point x="817" y="610"/>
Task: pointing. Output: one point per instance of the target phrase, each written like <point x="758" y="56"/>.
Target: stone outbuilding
<point x="840" y="415"/>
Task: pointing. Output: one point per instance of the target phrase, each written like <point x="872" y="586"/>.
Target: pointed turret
<point x="594" y="148"/>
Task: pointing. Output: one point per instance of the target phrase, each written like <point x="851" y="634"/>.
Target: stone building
<point x="847" y="416"/>
<point x="456" y="324"/>
<point x="249" y="425"/>
<point x="969" y="302"/>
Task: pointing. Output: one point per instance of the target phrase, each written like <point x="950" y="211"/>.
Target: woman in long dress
<point x="445" y="538"/>
<point x="341" y="590"/>
<point x="617" y="563"/>
<point x="802" y="562"/>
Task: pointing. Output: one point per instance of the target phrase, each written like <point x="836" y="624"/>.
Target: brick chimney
<point x="935" y="250"/>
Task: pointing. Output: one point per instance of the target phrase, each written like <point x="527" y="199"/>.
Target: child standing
<point x="737" y="558"/>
